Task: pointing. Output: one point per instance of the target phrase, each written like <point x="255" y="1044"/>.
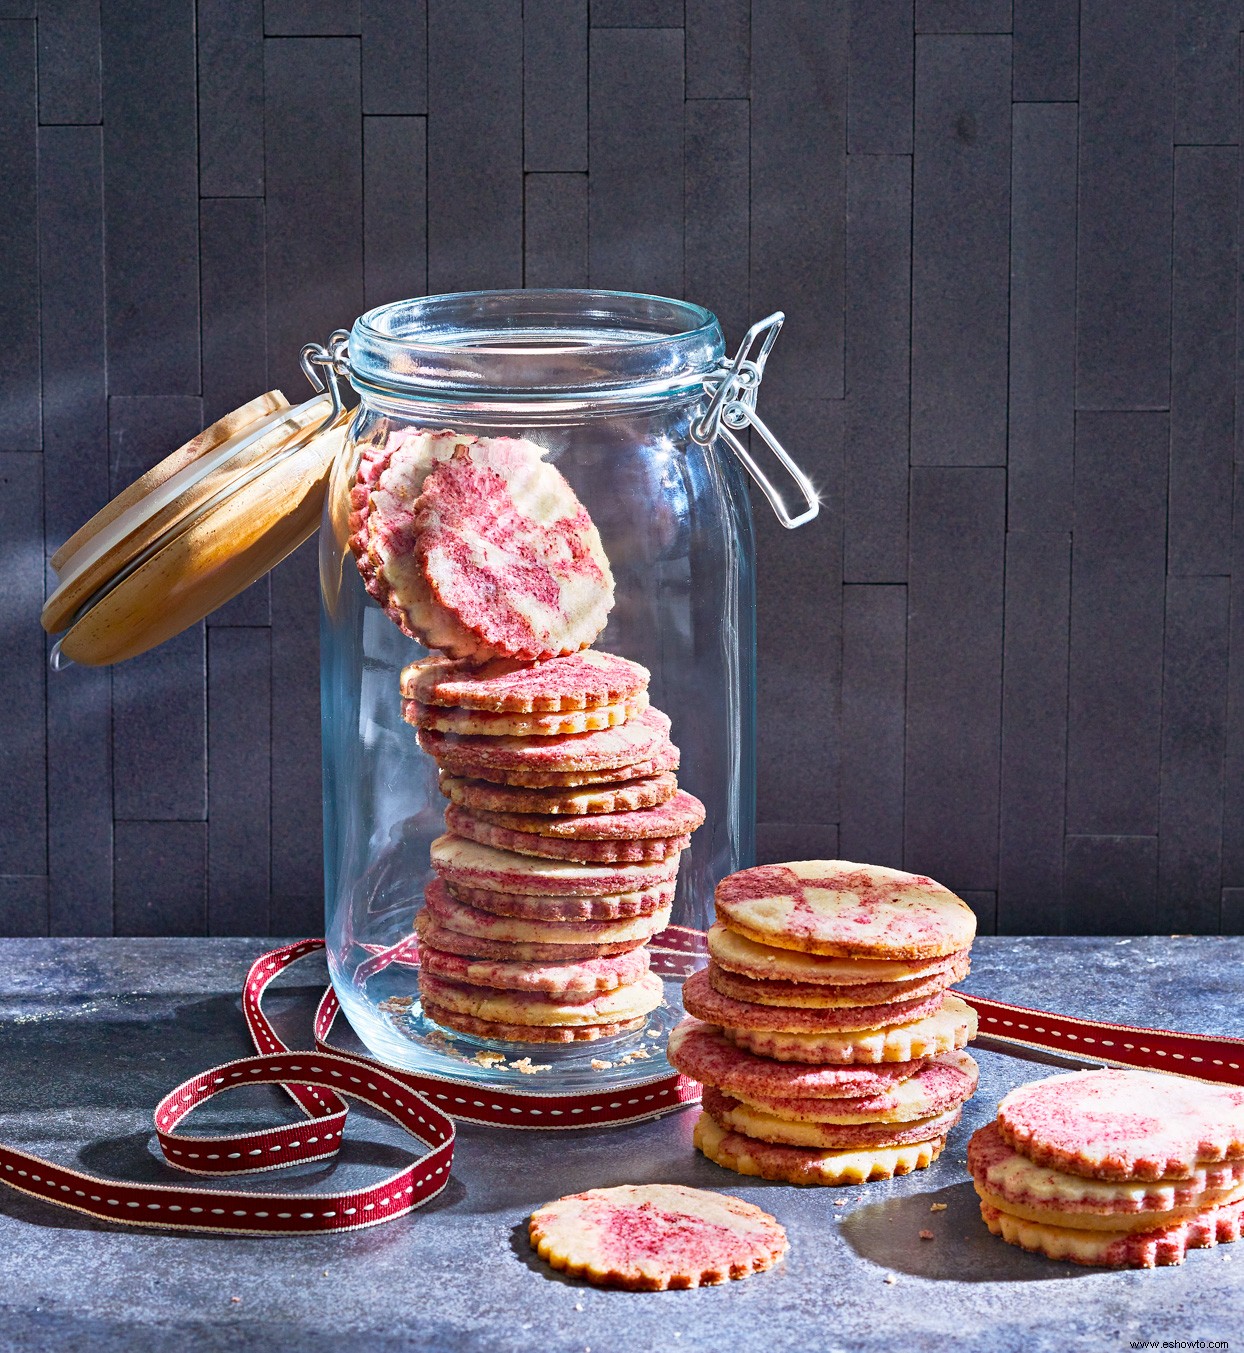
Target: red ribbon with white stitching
<point x="321" y="1081"/>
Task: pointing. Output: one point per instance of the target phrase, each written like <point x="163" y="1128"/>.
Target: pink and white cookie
<point x="537" y="908"/>
<point x="497" y="1032"/>
<point x="682" y="813"/>
<point x="388" y="483"/>
<point x="486" y="723"/>
<point x="764" y="962"/>
<point x="704" y="1053"/>
<point x="624" y="796"/>
<point x="546" y="1009"/>
<point x="1032" y="1192"/>
<point x="1119" y="1249"/>
<point x="429" y="931"/>
<point x="706" y="1004"/>
<point x="475" y="865"/>
<point x="665" y="759"/>
<point x="840" y="908"/>
<point x="653" y="1237"/>
<point x="462" y="822"/>
<point x="588" y="679"/>
<point x="762" y="1126"/>
<point x="639" y="740"/>
<point x="510" y="552"/>
<point x="567" y="981"/>
<point x="820" y="995"/>
<point x="1124" y="1124"/>
<point x="455" y="915"/>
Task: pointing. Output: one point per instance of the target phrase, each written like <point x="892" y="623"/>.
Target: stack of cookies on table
<point x="565" y="828"/>
<point x="1113" y="1169"/>
<point x="822" y="1029"/>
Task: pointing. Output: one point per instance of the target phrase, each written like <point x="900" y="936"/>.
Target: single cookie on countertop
<point x="462" y="822"/>
<point x="508" y="549"/>
<point x="587" y="679"/>
<point x="709" y="1005"/>
<point x="1113" y="1124"/>
<point x="621" y="797"/>
<point x="810" y="1165"/>
<point x="652" y="1237"/>
<point x="947" y="1029"/>
<point x="844" y="909"/>
<point x="474" y="865"/>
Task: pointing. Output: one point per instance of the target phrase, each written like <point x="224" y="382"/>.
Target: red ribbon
<point x="321" y="1081"/>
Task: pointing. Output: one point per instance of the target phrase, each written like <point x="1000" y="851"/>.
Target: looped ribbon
<point x="426" y="1106"/>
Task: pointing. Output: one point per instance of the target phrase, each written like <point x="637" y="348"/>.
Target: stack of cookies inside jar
<point x="564" y="818"/>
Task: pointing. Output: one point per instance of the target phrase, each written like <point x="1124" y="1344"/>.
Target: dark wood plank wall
<point x="1011" y="651"/>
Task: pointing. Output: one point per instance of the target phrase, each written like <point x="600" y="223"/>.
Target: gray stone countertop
<point x="93" y="1031"/>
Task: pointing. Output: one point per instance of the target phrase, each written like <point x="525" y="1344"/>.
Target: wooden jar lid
<point x="196" y="530"/>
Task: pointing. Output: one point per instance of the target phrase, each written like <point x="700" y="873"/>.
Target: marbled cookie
<point x="537" y="908"/>
<point x="622" y="797"/>
<point x="819" y="995"/>
<point x="620" y="1005"/>
<point x="462" y="822"/>
<point x="651" y="1237"/>
<point x="951" y="1027"/>
<point x="761" y="1126"/>
<point x="527" y="1033"/>
<point x="587" y="679"/>
<point x="455" y="915"/>
<point x="640" y="739"/>
<point x="567" y="981"/>
<point x="809" y="1165"/>
<point x="738" y="954"/>
<point x="510" y="552"/>
<point x="682" y="813"/>
<point x="848" y="910"/>
<point x="436" y="936"/>
<point x="704" y="1053"/>
<point x="475" y="865"/>
<point x="709" y="1005"/>
<point x="1124" y="1124"/>
<point x="485" y="723"/>
<point x="664" y="758"/>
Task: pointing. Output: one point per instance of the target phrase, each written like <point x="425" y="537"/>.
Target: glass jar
<point x="628" y="394"/>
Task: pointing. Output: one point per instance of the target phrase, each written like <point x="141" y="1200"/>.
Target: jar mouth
<point x="516" y="346"/>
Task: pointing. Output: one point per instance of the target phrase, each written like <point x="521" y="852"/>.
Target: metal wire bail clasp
<point x="732" y="392"/>
<point x="332" y="359"/>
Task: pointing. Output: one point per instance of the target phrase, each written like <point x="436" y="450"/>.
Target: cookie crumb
<point x="489" y="1059"/>
<point x="237" y="1300"/>
<point x="528" y="1067"/>
<point x="599" y="1064"/>
<point x="889" y="1279"/>
<point x="326" y="1273"/>
<point x="937" y="1207"/>
<point x="840" y="1202"/>
<point x="578" y="1305"/>
<point x="926" y="1235"/>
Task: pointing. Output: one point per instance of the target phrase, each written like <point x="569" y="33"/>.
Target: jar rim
<point x="534" y="345"/>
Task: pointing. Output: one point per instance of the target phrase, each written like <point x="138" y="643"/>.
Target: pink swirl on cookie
<point x="587" y="679"/>
<point x="433" y="933"/>
<point x="768" y="1127"/>
<point x="1124" y="1124"/>
<point x="479" y="866"/>
<point x="678" y="815"/>
<point x="462" y="822"/>
<point x="537" y="908"/>
<point x="510" y="552"/>
<point x="582" y="980"/>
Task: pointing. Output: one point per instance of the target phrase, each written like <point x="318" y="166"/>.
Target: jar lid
<point x="190" y="534"/>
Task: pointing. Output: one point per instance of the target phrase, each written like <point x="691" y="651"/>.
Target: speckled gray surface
<point x="93" y="1031"/>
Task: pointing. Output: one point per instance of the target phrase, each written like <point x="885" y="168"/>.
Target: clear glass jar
<point x="613" y="385"/>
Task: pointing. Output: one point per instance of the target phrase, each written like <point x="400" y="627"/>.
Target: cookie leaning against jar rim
<point x="823" y="1029"/>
